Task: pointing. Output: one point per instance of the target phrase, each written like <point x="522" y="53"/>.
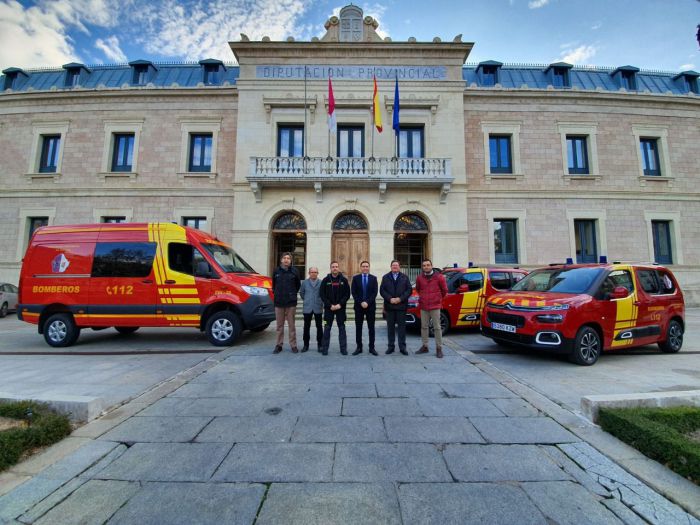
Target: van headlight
<point x="255" y="290"/>
<point x="550" y="318"/>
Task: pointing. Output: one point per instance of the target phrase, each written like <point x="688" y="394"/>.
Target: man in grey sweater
<point x="313" y="307"/>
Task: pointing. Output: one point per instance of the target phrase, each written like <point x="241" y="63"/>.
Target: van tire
<point x="3" y="310"/>
<point x="60" y="330"/>
<point x="674" y="338"/>
<point x="223" y="328"/>
<point x="587" y="347"/>
<point x="126" y="330"/>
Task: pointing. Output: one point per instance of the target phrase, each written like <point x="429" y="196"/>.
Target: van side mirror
<point x="203" y="270"/>
<point x="620" y="292"/>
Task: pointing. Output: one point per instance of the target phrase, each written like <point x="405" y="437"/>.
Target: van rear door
<point x="122" y="284"/>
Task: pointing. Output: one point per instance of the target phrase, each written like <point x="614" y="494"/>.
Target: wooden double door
<point x="349" y="249"/>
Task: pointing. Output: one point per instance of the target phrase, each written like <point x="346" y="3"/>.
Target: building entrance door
<point x="350" y="242"/>
<point x="349" y="249"/>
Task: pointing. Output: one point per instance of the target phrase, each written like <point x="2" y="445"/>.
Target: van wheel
<point x="444" y="325"/>
<point x="223" y="328"/>
<point x="126" y="330"/>
<point x="260" y="328"/>
<point x="587" y="347"/>
<point x="60" y="330"/>
<point x="3" y="310"/>
<point x="674" y="338"/>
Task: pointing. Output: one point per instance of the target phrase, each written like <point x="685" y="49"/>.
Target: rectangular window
<point x="35" y="223"/>
<point x="411" y="142"/>
<point x="290" y="141"/>
<point x="200" y="152"/>
<point x="661" y="233"/>
<point x="199" y="223"/>
<point x="186" y="259"/>
<point x="123" y="259"/>
<point x="211" y="75"/>
<point x="648" y="281"/>
<point x="499" y="153"/>
<point x="140" y="75"/>
<point x="586" y="246"/>
<point x="691" y="84"/>
<point x="50" y="145"/>
<point x="500" y="280"/>
<point x="560" y="78"/>
<point x="351" y="141"/>
<point x="488" y="76"/>
<point x="577" y="152"/>
<point x="650" y="156"/>
<point x="73" y="77"/>
<point x="123" y="152"/>
<point x="628" y="80"/>
<point x="505" y="238"/>
<point x="113" y="220"/>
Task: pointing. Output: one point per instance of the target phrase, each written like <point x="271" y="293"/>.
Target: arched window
<point x="289" y="221"/>
<point x="411" y="222"/>
<point x="289" y="235"/>
<point x="350" y="221"/>
<point x="411" y="242"/>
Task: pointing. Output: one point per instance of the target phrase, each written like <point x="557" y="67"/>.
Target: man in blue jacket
<point x="395" y="290"/>
<point x="364" y="292"/>
<point x="335" y="292"/>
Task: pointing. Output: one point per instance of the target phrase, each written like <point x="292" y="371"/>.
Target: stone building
<point x="493" y="163"/>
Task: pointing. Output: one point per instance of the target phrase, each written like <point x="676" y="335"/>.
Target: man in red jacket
<point x="431" y="288"/>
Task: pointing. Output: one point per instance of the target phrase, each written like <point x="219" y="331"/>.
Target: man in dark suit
<point x="364" y="292"/>
<point x="335" y="292"/>
<point x="395" y="290"/>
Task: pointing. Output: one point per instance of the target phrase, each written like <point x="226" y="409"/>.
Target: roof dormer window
<point x="142" y="72"/>
<point x="75" y="74"/>
<point x="626" y="77"/>
<point x="687" y="81"/>
<point x="488" y="72"/>
<point x="212" y="71"/>
<point x="559" y="74"/>
<point x="12" y="75"/>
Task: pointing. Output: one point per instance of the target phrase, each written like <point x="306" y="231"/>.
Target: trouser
<point x="328" y="317"/>
<point x="425" y="317"/>
<point x="360" y="315"/>
<point x="318" y="318"/>
<point x="282" y="315"/>
<point x="396" y="318"/>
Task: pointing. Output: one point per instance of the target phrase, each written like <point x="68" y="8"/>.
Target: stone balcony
<point x="381" y="173"/>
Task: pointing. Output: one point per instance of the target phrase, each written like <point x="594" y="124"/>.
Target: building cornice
<point x="67" y="95"/>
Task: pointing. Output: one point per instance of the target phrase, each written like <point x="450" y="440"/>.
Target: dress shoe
<point x="373" y="351"/>
<point x="389" y="351"/>
<point x="305" y="348"/>
<point x="404" y="351"/>
<point x="438" y="352"/>
<point x="295" y="350"/>
<point x="423" y="350"/>
<point x="277" y="349"/>
<point x="344" y="352"/>
<point x="324" y="352"/>
<point x="357" y="352"/>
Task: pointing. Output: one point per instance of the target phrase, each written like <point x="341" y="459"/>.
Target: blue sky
<point x="650" y="34"/>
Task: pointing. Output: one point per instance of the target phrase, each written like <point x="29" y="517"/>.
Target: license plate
<point x="503" y="327"/>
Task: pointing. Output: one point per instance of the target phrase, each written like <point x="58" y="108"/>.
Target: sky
<point x="649" y="34"/>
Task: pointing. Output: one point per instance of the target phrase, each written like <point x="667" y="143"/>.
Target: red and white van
<point x="140" y="274"/>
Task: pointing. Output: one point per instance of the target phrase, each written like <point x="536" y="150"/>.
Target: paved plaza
<point x="244" y="436"/>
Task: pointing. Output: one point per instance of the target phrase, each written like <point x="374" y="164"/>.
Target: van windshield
<point x="228" y="260"/>
<point x="561" y="280"/>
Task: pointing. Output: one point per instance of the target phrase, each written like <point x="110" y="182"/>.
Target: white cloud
<point x="579" y="55"/>
<point x="110" y="47"/>
<point x="536" y="4"/>
<point x="686" y="67"/>
<point x="596" y="26"/>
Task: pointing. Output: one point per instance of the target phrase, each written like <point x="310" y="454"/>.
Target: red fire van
<point x="140" y="274"/>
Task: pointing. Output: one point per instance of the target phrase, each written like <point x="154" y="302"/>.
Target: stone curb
<point x="663" y="480"/>
<point x="590" y="405"/>
<point x="78" y="408"/>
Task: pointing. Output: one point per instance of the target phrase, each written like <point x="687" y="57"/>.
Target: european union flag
<point x="396" y="107"/>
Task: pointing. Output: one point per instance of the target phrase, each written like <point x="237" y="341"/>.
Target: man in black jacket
<point x="335" y="292"/>
<point x="364" y="292"/>
<point x="285" y="286"/>
<point x="395" y="290"/>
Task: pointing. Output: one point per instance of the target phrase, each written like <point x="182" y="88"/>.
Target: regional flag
<point x="396" y="107"/>
<point x="332" y="125"/>
<point x="376" y="110"/>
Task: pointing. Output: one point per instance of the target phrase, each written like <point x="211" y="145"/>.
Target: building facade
<point x="492" y="163"/>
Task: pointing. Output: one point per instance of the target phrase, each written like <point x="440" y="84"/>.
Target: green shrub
<point x="46" y="428"/>
<point x="659" y="433"/>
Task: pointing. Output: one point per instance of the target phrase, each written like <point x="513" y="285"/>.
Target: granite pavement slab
<point x="148" y="429"/>
<point x="431" y="430"/>
<point x="254" y="429"/>
<point x="522" y="430"/>
<point x="339" y="429"/>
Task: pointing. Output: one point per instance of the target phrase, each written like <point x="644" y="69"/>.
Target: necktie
<point x="364" y="287"/>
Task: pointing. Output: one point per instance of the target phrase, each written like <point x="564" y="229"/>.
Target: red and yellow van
<point x="583" y="310"/>
<point x="139" y="274"/>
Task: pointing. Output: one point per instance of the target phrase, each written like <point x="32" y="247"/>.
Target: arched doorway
<point x="350" y="242"/>
<point x="411" y="242"/>
<point x="289" y="235"/>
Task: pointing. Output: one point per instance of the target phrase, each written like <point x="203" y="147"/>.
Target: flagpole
<point x="306" y="130"/>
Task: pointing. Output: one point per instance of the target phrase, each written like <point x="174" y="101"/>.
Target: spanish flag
<point x="376" y="111"/>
